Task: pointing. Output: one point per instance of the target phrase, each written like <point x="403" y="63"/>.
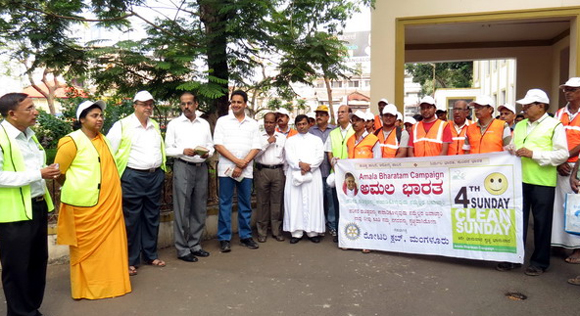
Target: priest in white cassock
<point x="303" y="198"/>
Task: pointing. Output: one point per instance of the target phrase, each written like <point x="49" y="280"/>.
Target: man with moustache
<point x="362" y="144"/>
<point x="335" y="148"/>
<point x="270" y="178"/>
<point x="392" y="140"/>
<point x="25" y="204"/>
<point x="322" y="130"/>
<point x="431" y="136"/>
<point x="459" y="127"/>
<point x="237" y="140"/>
<point x="283" y="117"/>
<point x="488" y="134"/>
<point x="188" y="139"/>
<point x="303" y="202"/>
<point x="139" y="151"/>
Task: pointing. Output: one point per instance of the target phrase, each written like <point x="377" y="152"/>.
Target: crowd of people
<point x="111" y="185"/>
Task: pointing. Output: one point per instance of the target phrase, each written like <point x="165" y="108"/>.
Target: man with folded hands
<point x="188" y="139"/>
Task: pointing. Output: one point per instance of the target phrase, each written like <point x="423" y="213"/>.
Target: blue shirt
<point x="316" y="131"/>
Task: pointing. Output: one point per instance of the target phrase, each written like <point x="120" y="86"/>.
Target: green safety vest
<point x="539" y="139"/>
<point x="122" y="154"/>
<point x="16" y="203"/>
<point x="82" y="186"/>
<point x="338" y="143"/>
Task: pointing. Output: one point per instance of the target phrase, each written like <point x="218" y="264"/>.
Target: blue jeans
<point x="329" y="205"/>
<point x="226" y="193"/>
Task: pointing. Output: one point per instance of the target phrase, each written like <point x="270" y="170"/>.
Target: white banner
<point x="466" y="206"/>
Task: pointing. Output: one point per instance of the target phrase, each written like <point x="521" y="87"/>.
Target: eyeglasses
<point x="459" y="110"/>
<point x="569" y="89"/>
<point x="145" y="104"/>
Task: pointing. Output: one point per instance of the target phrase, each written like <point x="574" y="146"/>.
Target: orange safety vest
<point x="456" y="147"/>
<point x="491" y="141"/>
<point x="378" y="122"/>
<point x="572" y="130"/>
<point x="364" y="149"/>
<point x="291" y="132"/>
<point x="390" y="145"/>
<point x="428" y="144"/>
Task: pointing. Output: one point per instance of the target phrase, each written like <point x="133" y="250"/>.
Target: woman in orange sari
<point x="91" y="216"/>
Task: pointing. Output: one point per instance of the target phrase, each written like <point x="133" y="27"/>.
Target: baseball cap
<point x="87" y="104"/>
<point x="573" y="82"/>
<point x="427" y="99"/>
<point x="399" y="115"/>
<point x="322" y="108"/>
<point x="383" y="100"/>
<point x="507" y="106"/>
<point x="410" y="120"/>
<point x="370" y="116"/>
<point x="535" y="95"/>
<point x="143" y="96"/>
<point x="360" y="114"/>
<point x="483" y="100"/>
<point x="390" y="109"/>
<point x="283" y="111"/>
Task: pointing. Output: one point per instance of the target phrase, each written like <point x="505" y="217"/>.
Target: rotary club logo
<point x="352" y="231"/>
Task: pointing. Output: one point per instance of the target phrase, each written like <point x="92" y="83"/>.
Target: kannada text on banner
<point x="458" y="206"/>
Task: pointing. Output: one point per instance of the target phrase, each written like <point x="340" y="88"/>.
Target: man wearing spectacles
<point x="459" y="127"/>
<point x="139" y="150"/>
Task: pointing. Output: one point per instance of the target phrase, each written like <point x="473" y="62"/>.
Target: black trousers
<point x="540" y="201"/>
<point x="24" y="255"/>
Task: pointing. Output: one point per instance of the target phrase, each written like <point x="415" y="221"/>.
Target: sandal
<point x="366" y="251"/>
<point x="157" y="263"/>
<point x="573" y="260"/>
<point x="132" y="271"/>
<point x="574" y="281"/>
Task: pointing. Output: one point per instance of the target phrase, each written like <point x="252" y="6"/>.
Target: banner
<point x="466" y="206"/>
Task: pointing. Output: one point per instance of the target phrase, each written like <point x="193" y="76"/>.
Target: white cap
<point x="573" y="82"/>
<point x="283" y="111"/>
<point x="143" y="96"/>
<point x="360" y="114"/>
<point x="534" y="95"/>
<point x="399" y="115"/>
<point x="87" y="104"/>
<point x="390" y="109"/>
<point x="383" y="100"/>
<point x="311" y="115"/>
<point x="411" y="120"/>
<point x="370" y="116"/>
<point x="507" y="106"/>
<point x="483" y="100"/>
<point x="427" y="99"/>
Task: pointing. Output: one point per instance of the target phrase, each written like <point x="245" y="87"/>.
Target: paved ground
<point x="319" y="279"/>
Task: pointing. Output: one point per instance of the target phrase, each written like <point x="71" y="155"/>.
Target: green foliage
<point x="444" y="75"/>
<point x="50" y="129"/>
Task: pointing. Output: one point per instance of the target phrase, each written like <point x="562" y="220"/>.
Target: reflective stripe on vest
<point x="82" y="186"/>
<point x="540" y="138"/>
<point x="122" y="154"/>
<point x="456" y="147"/>
<point x="490" y="141"/>
<point x="572" y="130"/>
<point x="389" y="146"/>
<point x="430" y="143"/>
<point x="364" y="149"/>
<point x="16" y="203"/>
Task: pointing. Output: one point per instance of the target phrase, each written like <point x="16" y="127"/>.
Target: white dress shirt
<point x="559" y="153"/>
<point x="272" y="153"/>
<point x="33" y="157"/>
<point x="183" y="133"/>
<point x="239" y="138"/>
<point x="145" y="144"/>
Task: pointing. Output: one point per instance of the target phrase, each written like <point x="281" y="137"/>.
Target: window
<point x="337" y="84"/>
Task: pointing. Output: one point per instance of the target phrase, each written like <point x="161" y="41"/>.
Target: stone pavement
<point x="320" y="279"/>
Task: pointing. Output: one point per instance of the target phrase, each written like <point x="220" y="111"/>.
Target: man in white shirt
<point x="25" y="203"/>
<point x="188" y="139"/>
<point x="303" y="200"/>
<point x="237" y="140"/>
<point x="269" y="175"/>
<point x="139" y="151"/>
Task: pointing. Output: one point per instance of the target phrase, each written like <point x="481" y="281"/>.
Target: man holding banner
<point x="362" y="144"/>
<point x="488" y="134"/>
<point x="540" y="141"/>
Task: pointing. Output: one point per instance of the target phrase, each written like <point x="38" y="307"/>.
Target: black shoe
<point x="201" y="253"/>
<point x="225" y="246"/>
<point x="315" y="239"/>
<point x="262" y="239"/>
<point x="507" y="266"/>
<point x="294" y="240"/>
<point x="334" y="238"/>
<point x="534" y="271"/>
<point x="279" y="238"/>
<point x="188" y="258"/>
<point x="249" y="242"/>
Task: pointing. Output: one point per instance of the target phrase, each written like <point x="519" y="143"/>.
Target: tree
<point x="195" y="45"/>
<point x="441" y="75"/>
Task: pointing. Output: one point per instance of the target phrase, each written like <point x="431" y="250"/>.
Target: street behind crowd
<point x="319" y="279"/>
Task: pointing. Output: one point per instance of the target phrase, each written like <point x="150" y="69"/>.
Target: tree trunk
<point x="329" y="94"/>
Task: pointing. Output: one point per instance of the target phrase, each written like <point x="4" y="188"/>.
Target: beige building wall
<point x="388" y="53"/>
